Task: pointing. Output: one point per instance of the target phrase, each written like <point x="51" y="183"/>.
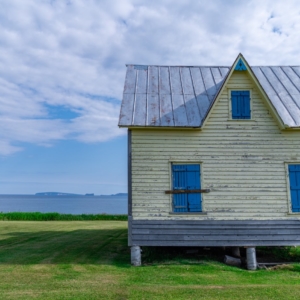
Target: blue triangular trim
<point x="240" y="66"/>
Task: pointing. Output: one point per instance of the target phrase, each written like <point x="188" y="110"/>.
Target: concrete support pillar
<point x="136" y="257"/>
<point x="236" y="251"/>
<point x="251" y="258"/>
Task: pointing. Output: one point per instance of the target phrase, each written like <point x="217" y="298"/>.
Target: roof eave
<point x="158" y="127"/>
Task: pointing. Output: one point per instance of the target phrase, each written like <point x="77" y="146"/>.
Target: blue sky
<point x="62" y="69"/>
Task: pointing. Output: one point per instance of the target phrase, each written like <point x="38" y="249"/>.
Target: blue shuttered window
<point x="186" y="177"/>
<point x="294" y="174"/>
<point x="240" y="104"/>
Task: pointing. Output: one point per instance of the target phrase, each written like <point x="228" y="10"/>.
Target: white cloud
<point x="6" y="148"/>
<point x="72" y="53"/>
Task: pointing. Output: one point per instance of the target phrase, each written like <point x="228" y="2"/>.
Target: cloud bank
<point x="69" y="56"/>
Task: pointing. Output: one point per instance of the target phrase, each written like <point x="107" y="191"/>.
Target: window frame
<point x="288" y="187"/>
<point x="185" y="162"/>
<point x="230" y="104"/>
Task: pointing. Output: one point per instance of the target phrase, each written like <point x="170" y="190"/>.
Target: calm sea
<point x="64" y="204"/>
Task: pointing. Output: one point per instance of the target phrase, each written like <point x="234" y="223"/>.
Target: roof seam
<point x="147" y="87"/>
<point x="285" y="87"/>
<point x="212" y="75"/>
<point x="204" y="83"/>
<point x="171" y="95"/>
<point x="277" y="94"/>
<point x="134" y="99"/>
<point x="195" y="96"/>
<point x="158" y="96"/>
<point x="295" y="72"/>
<point x="290" y="78"/>
<point x="180" y="76"/>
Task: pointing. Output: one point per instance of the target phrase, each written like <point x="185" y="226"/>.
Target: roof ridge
<point x="203" y="66"/>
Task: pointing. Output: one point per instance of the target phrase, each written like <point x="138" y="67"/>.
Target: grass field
<point x="90" y="260"/>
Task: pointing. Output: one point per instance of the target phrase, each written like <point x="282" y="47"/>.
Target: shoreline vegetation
<point x="37" y="216"/>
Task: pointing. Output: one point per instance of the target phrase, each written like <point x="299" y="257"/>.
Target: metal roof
<point x="181" y="96"/>
<point x="282" y="86"/>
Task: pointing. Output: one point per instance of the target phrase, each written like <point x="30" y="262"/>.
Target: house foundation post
<point x="136" y="257"/>
<point x="251" y="258"/>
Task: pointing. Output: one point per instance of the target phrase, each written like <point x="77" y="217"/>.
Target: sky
<point x="62" y="70"/>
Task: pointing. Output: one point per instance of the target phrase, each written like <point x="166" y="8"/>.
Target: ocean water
<point x="64" y="204"/>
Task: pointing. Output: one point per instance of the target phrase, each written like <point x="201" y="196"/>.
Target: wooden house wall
<point x="242" y="162"/>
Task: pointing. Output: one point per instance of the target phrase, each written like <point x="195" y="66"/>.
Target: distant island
<point x="55" y="194"/>
<point x="70" y="194"/>
<point x="117" y="195"/>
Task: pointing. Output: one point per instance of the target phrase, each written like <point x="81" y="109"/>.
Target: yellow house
<point x="213" y="155"/>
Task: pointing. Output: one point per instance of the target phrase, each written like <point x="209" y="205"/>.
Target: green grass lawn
<point x="91" y="260"/>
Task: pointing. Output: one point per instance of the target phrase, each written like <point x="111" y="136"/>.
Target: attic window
<point x="240" y="105"/>
<point x="240" y="66"/>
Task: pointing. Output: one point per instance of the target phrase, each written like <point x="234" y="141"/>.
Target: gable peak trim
<point x="240" y="66"/>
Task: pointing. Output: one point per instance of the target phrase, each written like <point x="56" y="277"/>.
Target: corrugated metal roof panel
<point x="282" y="90"/>
<point x="181" y="96"/>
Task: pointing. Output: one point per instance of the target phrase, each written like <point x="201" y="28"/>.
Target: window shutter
<point x="240" y="102"/>
<point x="179" y="183"/>
<point x="246" y="104"/>
<point x="294" y="174"/>
<point x="193" y="183"/>
<point x="234" y="105"/>
<point x="186" y="177"/>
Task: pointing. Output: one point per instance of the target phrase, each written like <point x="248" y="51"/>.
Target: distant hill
<point x="119" y="195"/>
<point x="55" y="194"/>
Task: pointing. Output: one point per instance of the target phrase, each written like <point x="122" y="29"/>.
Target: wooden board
<point x="215" y="233"/>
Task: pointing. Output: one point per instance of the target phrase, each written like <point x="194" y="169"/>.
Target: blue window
<point x="294" y="174"/>
<point x="186" y="177"/>
<point x="240" y="104"/>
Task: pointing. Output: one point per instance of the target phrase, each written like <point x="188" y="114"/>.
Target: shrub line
<point x="37" y="216"/>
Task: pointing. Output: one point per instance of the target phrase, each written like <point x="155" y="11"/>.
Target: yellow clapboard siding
<point x="242" y="162"/>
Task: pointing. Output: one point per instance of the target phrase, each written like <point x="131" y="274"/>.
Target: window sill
<point x="188" y="213"/>
<point x="242" y="120"/>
